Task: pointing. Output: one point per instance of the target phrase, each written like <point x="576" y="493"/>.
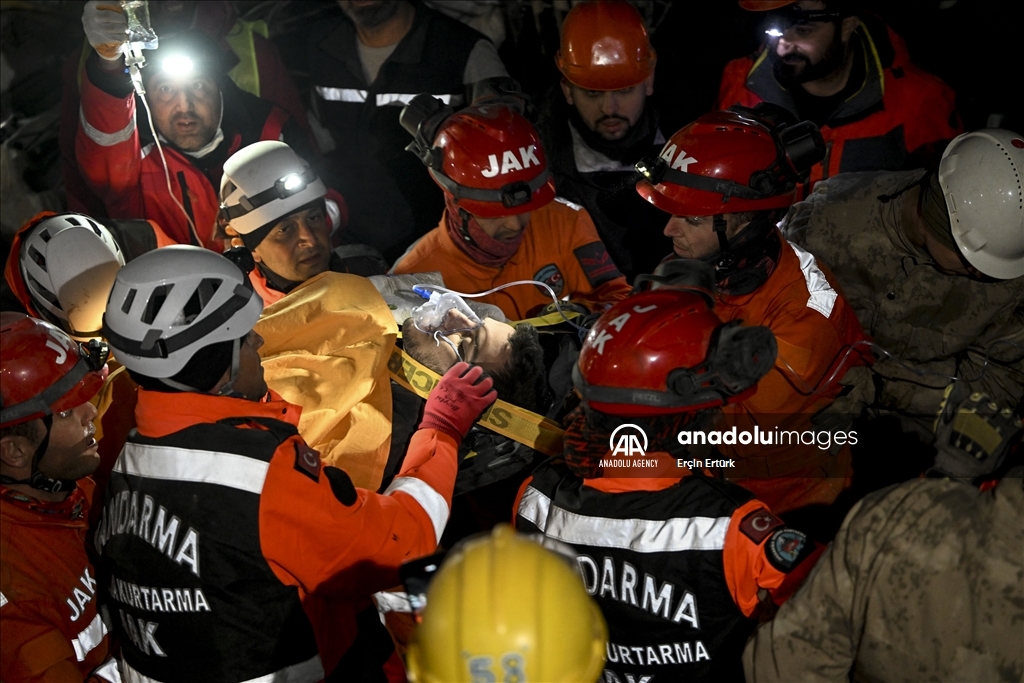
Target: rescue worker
<point x="933" y="264"/>
<point x="528" y="618"/>
<point x="60" y="269"/>
<point x="851" y="75"/>
<point x="675" y="559"/>
<point x="266" y="557"/>
<point x="726" y="180"/>
<point x="259" y="70"/>
<point x="200" y="116"/>
<point x="858" y="618"/>
<point x="500" y="224"/>
<point x="278" y="207"/>
<point x="49" y="612"/>
<point x="599" y="121"/>
<point x="364" y="67"/>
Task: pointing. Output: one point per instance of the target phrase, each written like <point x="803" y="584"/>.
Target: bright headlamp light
<point x="177" y="65"/>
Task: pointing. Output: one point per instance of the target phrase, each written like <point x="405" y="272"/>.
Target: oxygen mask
<point x="445" y="312"/>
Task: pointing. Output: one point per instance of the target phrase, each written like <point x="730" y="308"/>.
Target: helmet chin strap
<point x="38" y="480"/>
<point x="725" y="255"/>
<point x="228" y="389"/>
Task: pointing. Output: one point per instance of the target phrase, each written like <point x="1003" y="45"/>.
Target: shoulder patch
<point x="552" y="277"/>
<point x="307" y="461"/>
<point x="785" y="549"/>
<point x="571" y="205"/>
<point x="341" y="485"/>
<point x="596" y="263"/>
<point x="758" y="524"/>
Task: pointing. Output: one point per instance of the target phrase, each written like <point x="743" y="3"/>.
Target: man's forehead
<point x="160" y="77"/>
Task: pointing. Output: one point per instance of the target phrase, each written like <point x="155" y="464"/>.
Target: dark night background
<point x="974" y="46"/>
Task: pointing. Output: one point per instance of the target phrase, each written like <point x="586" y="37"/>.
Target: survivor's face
<point x="504" y="228"/>
<point x="72" y="451"/>
<point x="298" y="247"/>
<point x="609" y="113"/>
<point x="809" y="51"/>
<point x="694" y="236"/>
<point x="487" y="346"/>
<point x="186" y="110"/>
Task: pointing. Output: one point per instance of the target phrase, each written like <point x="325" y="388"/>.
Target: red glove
<point x="458" y="400"/>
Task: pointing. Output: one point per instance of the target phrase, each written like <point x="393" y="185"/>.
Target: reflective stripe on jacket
<point x="221" y="496"/>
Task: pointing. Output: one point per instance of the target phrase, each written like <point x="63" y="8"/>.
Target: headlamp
<point x="284" y="187"/>
<point x="95" y="352"/>
<point x="511" y="195"/>
<point x="780" y="20"/>
<point x="652" y="169"/>
<point x="177" y="65"/>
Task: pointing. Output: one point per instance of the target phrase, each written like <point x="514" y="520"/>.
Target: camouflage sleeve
<point x="814" y="636"/>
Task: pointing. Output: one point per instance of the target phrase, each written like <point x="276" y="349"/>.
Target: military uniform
<point x="923" y="583"/>
<point x="939" y="324"/>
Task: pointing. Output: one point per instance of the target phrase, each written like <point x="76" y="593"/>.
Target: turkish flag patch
<point x="758" y="524"/>
<point x="307" y="461"/>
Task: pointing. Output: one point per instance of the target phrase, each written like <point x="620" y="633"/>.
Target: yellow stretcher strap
<point x="518" y="424"/>
<point x="549" y="319"/>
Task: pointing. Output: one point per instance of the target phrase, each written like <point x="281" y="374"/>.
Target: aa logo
<point x="628" y="440"/>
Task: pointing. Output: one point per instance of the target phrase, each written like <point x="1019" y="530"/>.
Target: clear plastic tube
<point x="423" y="290"/>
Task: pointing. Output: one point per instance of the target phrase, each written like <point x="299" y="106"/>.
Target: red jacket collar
<point x="159" y="414"/>
<point x="72" y="511"/>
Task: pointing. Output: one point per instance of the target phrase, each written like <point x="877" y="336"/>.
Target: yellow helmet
<point x="504" y="608"/>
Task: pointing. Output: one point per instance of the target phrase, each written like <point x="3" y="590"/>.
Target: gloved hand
<point x="972" y="433"/>
<point x="458" y="400"/>
<point x="858" y="394"/>
<point x="105" y="27"/>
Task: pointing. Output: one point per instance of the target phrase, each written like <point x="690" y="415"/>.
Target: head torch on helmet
<point x="781" y="19"/>
<point x="285" y="187"/>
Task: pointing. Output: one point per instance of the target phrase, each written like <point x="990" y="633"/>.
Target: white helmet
<point x="263" y="183"/>
<point x="169" y="303"/>
<point x="980" y="175"/>
<point x="68" y="263"/>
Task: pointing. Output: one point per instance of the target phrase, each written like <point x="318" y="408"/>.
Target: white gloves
<point x="105" y="27"/>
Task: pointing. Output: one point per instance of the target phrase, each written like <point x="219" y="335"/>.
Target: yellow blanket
<point x="326" y="348"/>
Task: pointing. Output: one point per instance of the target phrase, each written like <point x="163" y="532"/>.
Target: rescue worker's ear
<point x="849" y="25"/>
<point x="16" y="451"/>
<point x="566" y="90"/>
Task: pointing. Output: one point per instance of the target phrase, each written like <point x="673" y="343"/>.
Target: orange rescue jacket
<point x="52" y="630"/>
<point x="336" y="555"/>
<point x="560" y="248"/>
<point x="814" y="327"/>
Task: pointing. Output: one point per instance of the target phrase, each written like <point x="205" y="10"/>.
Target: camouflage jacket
<point x="924" y="582"/>
<point x="941" y="325"/>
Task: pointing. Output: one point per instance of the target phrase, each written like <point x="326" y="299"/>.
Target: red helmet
<point x="491" y="161"/>
<point x="605" y="46"/>
<point x="43" y="371"/>
<point x="731" y="162"/>
<point x="665" y="351"/>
